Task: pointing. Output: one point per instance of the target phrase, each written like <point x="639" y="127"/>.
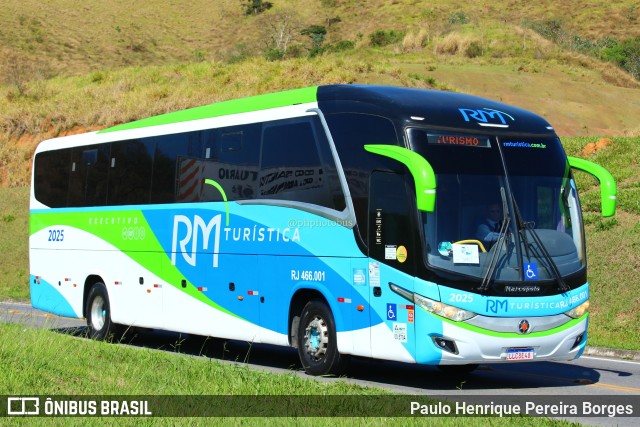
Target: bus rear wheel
<point x="98" y="312"/>
<point x="317" y="340"/>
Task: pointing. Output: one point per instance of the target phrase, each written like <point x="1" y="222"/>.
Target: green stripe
<point x="491" y="333"/>
<point x="236" y="106"/>
<point x="147" y="253"/>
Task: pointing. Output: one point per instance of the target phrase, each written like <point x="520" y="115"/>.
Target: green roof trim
<point x="224" y="108"/>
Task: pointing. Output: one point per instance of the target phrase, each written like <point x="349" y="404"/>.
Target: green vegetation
<point x="613" y="245"/>
<point x="384" y="38"/>
<point x="14" y="244"/>
<point x="43" y="362"/>
<point x="71" y="69"/>
<point x="625" y="53"/>
<point x="76" y="74"/>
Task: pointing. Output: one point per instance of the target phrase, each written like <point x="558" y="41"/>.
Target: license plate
<point x="520" y="354"/>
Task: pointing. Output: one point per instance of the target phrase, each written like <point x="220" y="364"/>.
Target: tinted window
<point x="351" y="132"/>
<point x="290" y="166"/>
<point x="96" y="161"/>
<point x="330" y="171"/>
<point x="87" y="175"/>
<point x="51" y="177"/>
<point x="77" y="177"/>
<point x="391" y="228"/>
<point x="296" y="158"/>
<point x="176" y="172"/>
<point x="130" y="172"/>
<point x="231" y="159"/>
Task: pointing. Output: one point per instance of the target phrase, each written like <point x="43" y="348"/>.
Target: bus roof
<point x="225" y="108"/>
<point x="421" y="106"/>
<point x="433" y="108"/>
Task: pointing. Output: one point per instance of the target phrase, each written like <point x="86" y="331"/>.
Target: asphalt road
<point x="593" y="379"/>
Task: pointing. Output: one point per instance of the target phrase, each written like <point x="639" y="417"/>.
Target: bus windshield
<point x="504" y="213"/>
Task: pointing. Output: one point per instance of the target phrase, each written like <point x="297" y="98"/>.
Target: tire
<point x="98" y="312"/>
<point x="317" y="342"/>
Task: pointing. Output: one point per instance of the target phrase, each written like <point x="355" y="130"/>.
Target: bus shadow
<point x="486" y="377"/>
<point x="263" y="356"/>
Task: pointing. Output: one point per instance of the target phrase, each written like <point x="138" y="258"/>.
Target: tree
<point x="281" y="29"/>
<point x="255" y="7"/>
<point x="317" y="34"/>
<point x="17" y="71"/>
<point x="626" y="54"/>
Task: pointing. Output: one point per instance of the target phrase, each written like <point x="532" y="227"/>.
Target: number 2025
<point x="56" y="235"/>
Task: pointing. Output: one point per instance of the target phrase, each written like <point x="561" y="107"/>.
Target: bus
<point x="341" y="220"/>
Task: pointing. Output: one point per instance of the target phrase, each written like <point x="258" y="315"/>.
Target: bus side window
<point x="231" y="159"/>
<point x="290" y="166"/>
<point x="130" y="172"/>
<point x="77" y="176"/>
<point x="51" y="177"/>
<point x="332" y="181"/>
<point x="175" y="166"/>
<point x="351" y="132"/>
<point x="96" y="161"/>
<point x="87" y="175"/>
<point x="391" y="222"/>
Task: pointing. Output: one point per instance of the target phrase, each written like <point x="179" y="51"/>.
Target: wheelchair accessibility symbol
<point x="391" y="312"/>
<point x="530" y="271"/>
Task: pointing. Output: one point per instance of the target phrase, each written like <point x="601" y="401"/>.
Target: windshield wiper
<point x="502" y="238"/>
<point x="523" y="227"/>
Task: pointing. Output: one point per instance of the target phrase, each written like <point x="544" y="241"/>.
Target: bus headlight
<point x="578" y="311"/>
<point x="436" y="307"/>
<point x="441" y="309"/>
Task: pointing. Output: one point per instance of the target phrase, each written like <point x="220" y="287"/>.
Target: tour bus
<point x="341" y="220"/>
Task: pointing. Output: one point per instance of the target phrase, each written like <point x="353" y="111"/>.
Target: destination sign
<point x="459" y="140"/>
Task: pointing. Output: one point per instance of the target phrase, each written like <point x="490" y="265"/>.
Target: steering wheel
<point x="477" y="242"/>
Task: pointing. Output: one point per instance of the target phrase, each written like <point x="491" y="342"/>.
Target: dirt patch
<point x="594" y="147"/>
<point x="16" y="155"/>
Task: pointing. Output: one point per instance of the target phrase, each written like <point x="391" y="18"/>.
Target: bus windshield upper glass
<point x="505" y="213"/>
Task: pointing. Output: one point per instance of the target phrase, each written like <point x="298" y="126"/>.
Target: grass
<point x="156" y="33"/>
<point x="67" y="75"/>
<point x="108" y="63"/>
<point x="14" y="244"/>
<point x="613" y="245"/>
<point x="101" y="99"/>
<point x="46" y="363"/>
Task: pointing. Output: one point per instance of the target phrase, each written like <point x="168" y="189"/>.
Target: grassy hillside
<point x="573" y="98"/>
<point x="14" y="244"/>
<point x="612" y="244"/>
<point x="62" y="36"/>
<point x="72" y="67"/>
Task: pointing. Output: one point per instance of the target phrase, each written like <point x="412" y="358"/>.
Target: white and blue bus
<point x="342" y="220"/>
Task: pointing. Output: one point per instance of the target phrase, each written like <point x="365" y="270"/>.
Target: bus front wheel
<point x="317" y="341"/>
<point x="98" y="312"/>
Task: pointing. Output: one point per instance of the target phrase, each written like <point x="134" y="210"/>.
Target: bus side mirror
<point x="607" y="183"/>
<point x="422" y="172"/>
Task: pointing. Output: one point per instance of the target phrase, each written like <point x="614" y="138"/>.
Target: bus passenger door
<point x="392" y="260"/>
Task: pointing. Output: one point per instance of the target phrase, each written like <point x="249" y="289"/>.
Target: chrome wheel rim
<point x="98" y="313"/>
<point x="316" y="338"/>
